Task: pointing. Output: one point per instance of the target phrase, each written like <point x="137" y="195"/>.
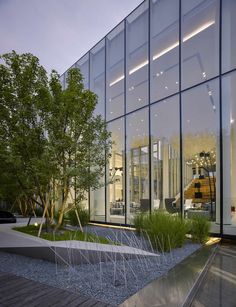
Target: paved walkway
<point x="17" y="291"/>
<point x="218" y="288"/>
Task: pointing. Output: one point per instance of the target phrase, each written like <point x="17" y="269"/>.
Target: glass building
<point x="165" y="79"/>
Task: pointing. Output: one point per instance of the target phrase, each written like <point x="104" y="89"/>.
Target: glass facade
<point x="165" y="79"/>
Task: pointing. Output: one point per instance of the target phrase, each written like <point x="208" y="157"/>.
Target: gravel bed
<point x="111" y="282"/>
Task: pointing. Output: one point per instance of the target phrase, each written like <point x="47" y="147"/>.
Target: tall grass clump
<point x="199" y="228"/>
<point x="83" y="216"/>
<point x="165" y="231"/>
<point x="139" y="222"/>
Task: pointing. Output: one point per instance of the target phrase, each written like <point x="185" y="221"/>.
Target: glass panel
<point x="165" y="155"/>
<point x="228" y="35"/>
<point x="62" y="80"/>
<point x="137" y="58"/>
<point x="97" y="203"/>
<point x="97" y="75"/>
<point x="115" y="175"/>
<point x="138" y="164"/>
<point x="83" y="65"/>
<point x="229" y="152"/>
<point x="115" y="73"/>
<point x="201" y="160"/>
<point x="164" y="48"/>
<point x="200" y="41"/>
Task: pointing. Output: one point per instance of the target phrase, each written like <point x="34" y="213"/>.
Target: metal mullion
<point x="149" y="107"/>
<point x="180" y="112"/>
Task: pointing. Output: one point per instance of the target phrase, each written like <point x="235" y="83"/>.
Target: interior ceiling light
<point x="117" y="80"/>
<point x="166" y="50"/>
<point x="138" y="67"/>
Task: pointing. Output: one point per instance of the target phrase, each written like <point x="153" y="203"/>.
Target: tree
<point x="51" y="142"/>
<point x="23" y="91"/>
<point x="78" y="140"/>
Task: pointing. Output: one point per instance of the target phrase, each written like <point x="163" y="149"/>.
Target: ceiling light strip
<point x="158" y="55"/>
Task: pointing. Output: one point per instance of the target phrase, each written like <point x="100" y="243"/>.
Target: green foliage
<point x="62" y="235"/>
<point x="165" y="231"/>
<point x="50" y="139"/>
<point x="139" y="222"/>
<point x="83" y="215"/>
<point x="38" y="211"/>
<point x="199" y="228"/>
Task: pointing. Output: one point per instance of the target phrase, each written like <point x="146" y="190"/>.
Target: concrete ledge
<point x="73" y="256"/>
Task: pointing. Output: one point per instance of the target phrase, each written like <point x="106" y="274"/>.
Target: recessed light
<point x="176" y="82"/>
<point x="166" y="87"/>
<point x="210" y="93"/>
<point x="231" y="121"/>
<point x="158" y="74"/>
<point x="161" y="72"/>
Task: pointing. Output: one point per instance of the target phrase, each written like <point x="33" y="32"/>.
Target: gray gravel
<point x="109" y="282"/>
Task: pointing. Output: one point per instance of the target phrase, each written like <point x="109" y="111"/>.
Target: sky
<point x="58" y="32"/>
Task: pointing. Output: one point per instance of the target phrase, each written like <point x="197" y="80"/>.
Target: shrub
<point x="139" y="222"/>
<point x="200" y="228"/>
<point x="38" y="211"/>
<point x="165" y="231"/>
<point x="83" y="215"/>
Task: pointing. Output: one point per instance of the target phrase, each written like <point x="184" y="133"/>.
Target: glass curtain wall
<point x="115" y="73"/>
<point x="229" y="152"/>
<point x="123" y="80"/>
<point x="228" y="35"/>
<point x="165" y="167"/>
<point x="137" y="58"/>
<point x="97" y="76"/>
<point x="83" y="65"/>
<point x="137" y="164"/>
<point x="97" y="85"/>
<point x="201" y="159"/>
<point x="200" y="41"/>
<point x="164" y="28"/>
<point x="116" y="174"/>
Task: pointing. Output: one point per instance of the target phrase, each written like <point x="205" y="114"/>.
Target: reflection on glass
<point x="200" y="126"/>
<point x="62" y="81"/>
<point x="137" y="58"/>
<point x="229" y="152"/>
<point x="115" y="175"/>
<point x="83" y="65"/>
<point x="200" y="41"/>
<point x="164" y="48"/>
<point x="138" y="164"/>
<point x="228" y="35"/>
<point x="97" y="75"/>
<point x="97" y="203"/>
<point x="165" y="155"/>
<point x="115" y="73"/>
